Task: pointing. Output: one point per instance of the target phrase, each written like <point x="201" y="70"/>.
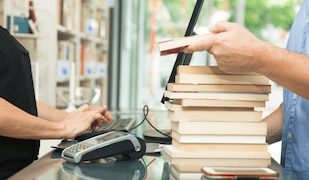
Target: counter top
<point x="152" y="167"/>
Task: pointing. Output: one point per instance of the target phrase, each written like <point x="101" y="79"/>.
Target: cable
<point x="145" y="113"/>
<point x="145" y="117"/>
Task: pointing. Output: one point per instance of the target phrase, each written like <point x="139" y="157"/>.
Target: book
<point x="197" y="163"/>
<point x="219" y="87"/>
<point x="221" y="79"/>
<point x="32" y="27"/>
<point x="219" y="128"/>
<point x="82" y="59"/>
<point x="216" y="103"/>
<point x="215" y="138"/>
<point x="32" y="21"/>
<point x="211" y="104"/>
<point x="176" y="174"/>
<point x="216" y="95"/>
<point x="176" y="153"/>
<point x="220" y="147"/>
<point x="187" y="168"/>
<point x="188" y="69"/>
<point x="229" y="159"/>
<point x="227" y="116"/>
<point x="176" y="107"/>
<point x="178" y="44"/>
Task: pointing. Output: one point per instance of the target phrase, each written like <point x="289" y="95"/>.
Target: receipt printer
<point x="105" y="145"/>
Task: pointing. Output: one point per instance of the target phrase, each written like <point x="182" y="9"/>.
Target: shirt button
<point x="294" y="96"/>
<point x="289" y="135"/>
<point x="307" y="20"/>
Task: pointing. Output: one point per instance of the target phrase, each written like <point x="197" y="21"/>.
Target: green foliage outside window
<point x="260" y="13"/>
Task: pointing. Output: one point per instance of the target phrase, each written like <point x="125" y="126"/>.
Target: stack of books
<point x="215" y="121"/>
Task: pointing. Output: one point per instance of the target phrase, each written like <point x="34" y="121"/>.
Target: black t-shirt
<point x="16" y="87"/>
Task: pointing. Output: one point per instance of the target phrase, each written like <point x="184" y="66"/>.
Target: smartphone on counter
<point x="238" y="173"/>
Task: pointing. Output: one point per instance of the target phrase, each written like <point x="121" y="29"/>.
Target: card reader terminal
<point x="106" y="145"/>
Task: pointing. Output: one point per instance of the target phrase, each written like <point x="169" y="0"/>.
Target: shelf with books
<point x="61" y="23"/>
<point x="20" y="18"/>
<point x="29" y="36"/>
<point x="89" y="38"/>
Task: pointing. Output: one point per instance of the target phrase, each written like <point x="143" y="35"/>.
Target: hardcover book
<point x="224" y="116"/>
<point x="228" y="159"/>
<point x="219" y="87"/>
<point x="221" y="79"/>
<point x="220" y="147"/>
<point x="178" y="44"/>
<point x="210" y="138"/>
<point x="213" y="103"/>
<point x="219" y="128"/>
<point x="185" y="69"/>
<point x="216" y="95"/>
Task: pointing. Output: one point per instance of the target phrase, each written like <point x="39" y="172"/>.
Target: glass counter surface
<point x="151" y="167"/>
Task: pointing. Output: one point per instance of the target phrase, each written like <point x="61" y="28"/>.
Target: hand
<point x="233" y="47"/>
<point x="106" y="116"/>
<point x="83" y="119"/>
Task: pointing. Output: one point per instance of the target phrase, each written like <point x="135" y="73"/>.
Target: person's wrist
<point x="259" y="56"/>
<point x="62" y="132"/>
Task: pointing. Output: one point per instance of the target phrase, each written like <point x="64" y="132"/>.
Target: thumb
<point x="221" y="26"/>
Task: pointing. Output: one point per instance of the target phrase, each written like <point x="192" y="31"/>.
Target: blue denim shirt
<point x="295" y="134"/>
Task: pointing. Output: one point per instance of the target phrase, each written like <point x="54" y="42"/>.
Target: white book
<point x="219" y="103"/>
<point x="221" y="79"/>
<point x="216" y="95"/>
<point x="226" y="116"/>
<point x="210" y="138"/>
<point x="184" y="175"/>
<point x="175" y="153"/>
<point x="220" y="128"/>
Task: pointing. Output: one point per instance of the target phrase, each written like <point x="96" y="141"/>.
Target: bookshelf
<point x="70" y="50"/>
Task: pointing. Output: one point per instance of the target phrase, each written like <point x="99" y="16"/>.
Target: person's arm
<point x="16" y="123"/>
<point x="50" y="113"/>
<point x="236" y="50"/>
<point x="274" y="125"/>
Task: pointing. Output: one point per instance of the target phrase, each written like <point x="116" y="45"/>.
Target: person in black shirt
<point x="23" y="121"/>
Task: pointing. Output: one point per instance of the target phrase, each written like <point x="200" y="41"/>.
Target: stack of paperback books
<point x="215" y="120"/>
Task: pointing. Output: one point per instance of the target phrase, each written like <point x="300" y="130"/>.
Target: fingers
<point x="103" y="111"/>
<point x="204" y="44"/>
<point x="207" y="43"/>
<point x="91" y="117"/>
<point x="100" y="115"/>
<point x="84" y="107"/>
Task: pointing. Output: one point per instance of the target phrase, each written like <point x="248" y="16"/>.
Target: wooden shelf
<point x="61" y="21"/>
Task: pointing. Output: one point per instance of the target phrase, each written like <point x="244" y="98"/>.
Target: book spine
<point x="223" y="116"/>
<point x="239" y="139"/>
<point x="221" y="79"/>
<point x="220" y="128"/>
<point x="214" y="95"/>
<point x="214" y="70"/>
<point x="189" y="87"/>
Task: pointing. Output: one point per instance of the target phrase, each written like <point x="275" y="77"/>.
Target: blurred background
<point x="121" y="38"/>
<point x="144" y="23"/>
